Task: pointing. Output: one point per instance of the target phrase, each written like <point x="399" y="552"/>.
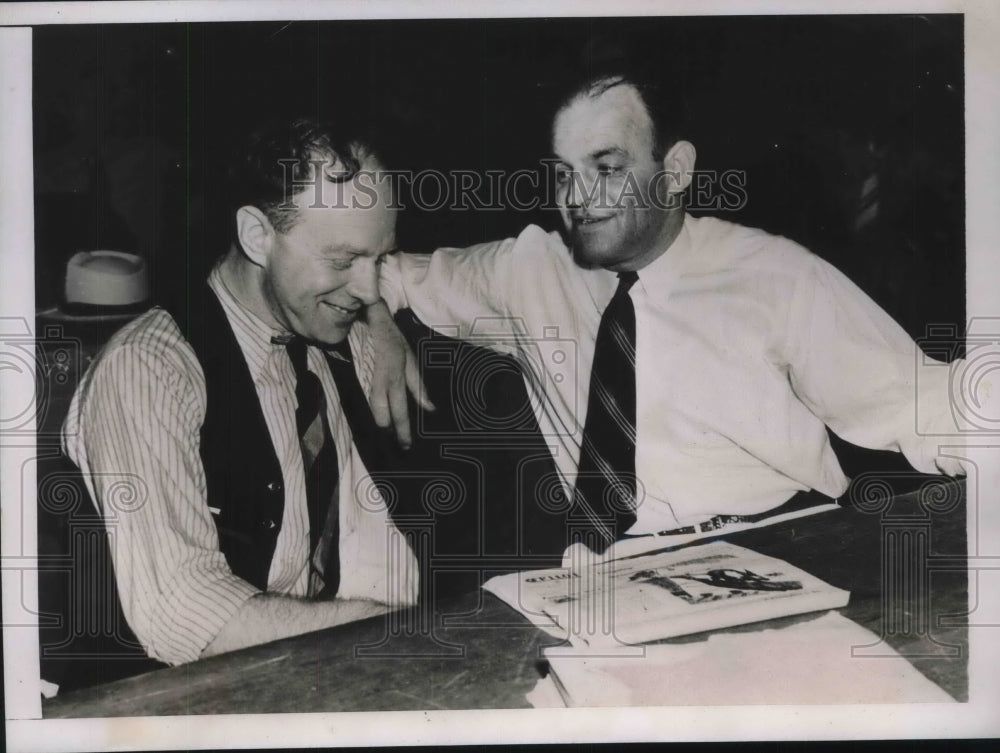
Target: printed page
<point x="604" y="604"/>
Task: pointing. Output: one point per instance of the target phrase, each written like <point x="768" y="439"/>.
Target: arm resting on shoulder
<point x="449" y="290"/>
<point x="453" y="291"/>
<point x="452" y="288"/>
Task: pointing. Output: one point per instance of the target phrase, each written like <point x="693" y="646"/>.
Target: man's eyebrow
<point x="611" y="151"/>
<point x="354" y="251"/>
<point x="340" y="248"/>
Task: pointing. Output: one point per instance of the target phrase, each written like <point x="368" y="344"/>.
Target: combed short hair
<point x="664" y="100"/>
<point x="276" y="161"/>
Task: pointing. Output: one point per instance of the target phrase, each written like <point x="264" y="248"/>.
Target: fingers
<point x="415" y="383"/>
<point x="399" y="409"/>
<point x="380" y="408"/>
<point x="389" y="410"/>
<point x="396" y="371"/>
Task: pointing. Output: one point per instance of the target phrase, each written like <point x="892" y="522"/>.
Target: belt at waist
<point x="799" y="501"/>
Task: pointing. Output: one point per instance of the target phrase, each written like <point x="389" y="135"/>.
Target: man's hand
<point x="396" y="372"/>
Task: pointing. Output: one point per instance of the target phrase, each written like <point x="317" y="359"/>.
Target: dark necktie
<point x="604" y="498"/>
<point x="378" y="451"/>
<point x="319" y="460"/>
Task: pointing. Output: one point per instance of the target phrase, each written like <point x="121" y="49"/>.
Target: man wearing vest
<point x="238" y="429"/>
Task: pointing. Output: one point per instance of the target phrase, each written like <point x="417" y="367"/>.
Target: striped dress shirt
<point x="133" y="428"/>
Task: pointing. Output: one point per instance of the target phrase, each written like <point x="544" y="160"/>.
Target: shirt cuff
<point x="390" y="284"/>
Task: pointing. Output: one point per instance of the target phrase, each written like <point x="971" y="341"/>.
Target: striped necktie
<point x="604" y="498"/>
<point x="319" y="460"/>
<point x="378" y="450"/>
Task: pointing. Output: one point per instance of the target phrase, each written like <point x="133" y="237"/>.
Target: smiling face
<point x="318" y="275"/>
<point x="610" y="189"/>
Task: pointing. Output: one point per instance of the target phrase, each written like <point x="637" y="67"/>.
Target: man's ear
<point x="256" y="234"/>
<point x="679" y="164"/>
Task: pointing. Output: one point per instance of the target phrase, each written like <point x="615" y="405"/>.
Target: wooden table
<point x="902" y="558"/>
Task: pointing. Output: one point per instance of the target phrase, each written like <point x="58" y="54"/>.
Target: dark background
<point x="131" y="122"/>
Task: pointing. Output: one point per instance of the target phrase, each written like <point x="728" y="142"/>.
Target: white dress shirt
<point x="135" y="422"/>
<point x="746" y="345"/>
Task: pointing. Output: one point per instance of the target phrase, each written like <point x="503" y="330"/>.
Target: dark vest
<point x="242" y="472"/>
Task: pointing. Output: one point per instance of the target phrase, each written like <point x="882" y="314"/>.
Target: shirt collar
<point x="658" y="279"/>
<point x="252" y="333"/>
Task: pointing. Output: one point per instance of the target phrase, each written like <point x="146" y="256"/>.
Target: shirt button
<point x="274" y="486"/>
<point x="268" y="524"/>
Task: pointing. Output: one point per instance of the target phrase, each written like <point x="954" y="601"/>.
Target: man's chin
<point x="588" y="256"/>
<point x="329" y="336"/>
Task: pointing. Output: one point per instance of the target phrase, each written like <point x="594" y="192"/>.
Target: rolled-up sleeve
<point x="137" y="442"/>
<point x="458" y="291"/>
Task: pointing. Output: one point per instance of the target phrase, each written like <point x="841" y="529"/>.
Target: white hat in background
<point x="106" y="279"/>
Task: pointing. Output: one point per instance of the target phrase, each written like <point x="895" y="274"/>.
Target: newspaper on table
<point x="599" y="603"/>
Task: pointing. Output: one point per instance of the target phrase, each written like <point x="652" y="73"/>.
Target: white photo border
<point x="27" y="732"/>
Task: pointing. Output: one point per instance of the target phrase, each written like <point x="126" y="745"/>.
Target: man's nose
<point x="577" y="192"/>
<point x="363" y="284"/>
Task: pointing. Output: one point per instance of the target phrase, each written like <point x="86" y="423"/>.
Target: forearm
<point x="450" y="289"/>
<point x="139" y="458"/>
<point x="269" y="617"/>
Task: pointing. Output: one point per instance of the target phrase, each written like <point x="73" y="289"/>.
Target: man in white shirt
<point x="743" y="347"/>
<point x="243" y="442"/>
